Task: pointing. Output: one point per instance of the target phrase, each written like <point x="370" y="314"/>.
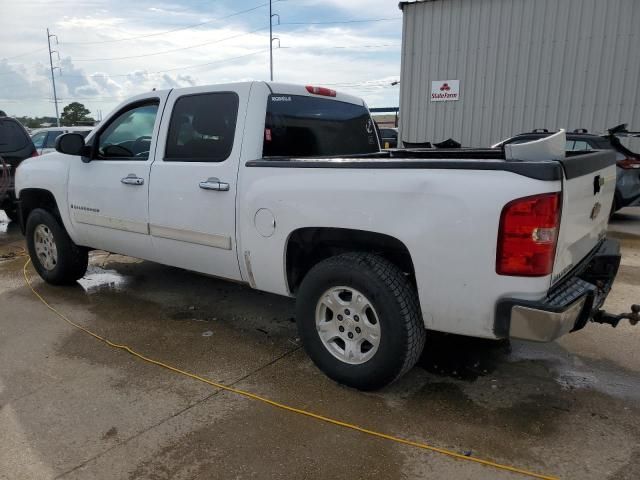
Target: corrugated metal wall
<point x="522" y="64"/>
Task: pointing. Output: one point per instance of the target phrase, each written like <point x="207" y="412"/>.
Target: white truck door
<point x="192" y="193"/>
<point x="108" y="191"/>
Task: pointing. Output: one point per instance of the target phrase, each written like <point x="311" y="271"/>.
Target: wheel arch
<point x="307" y="246"/>
<point x="32" y="198"/>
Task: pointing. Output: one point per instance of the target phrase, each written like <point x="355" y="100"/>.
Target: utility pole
<point x="272" y="38"/>
<point x="53" y="79"/>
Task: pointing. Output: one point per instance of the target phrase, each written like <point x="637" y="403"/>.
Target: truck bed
<point x="574" y="165"/>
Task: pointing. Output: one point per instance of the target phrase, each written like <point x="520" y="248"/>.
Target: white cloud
<point x="370" y="52"/>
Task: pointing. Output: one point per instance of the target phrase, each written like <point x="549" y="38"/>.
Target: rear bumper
<point x="568" y="306"/>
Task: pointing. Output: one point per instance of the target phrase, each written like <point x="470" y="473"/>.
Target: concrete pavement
<point x="70" y="407"/>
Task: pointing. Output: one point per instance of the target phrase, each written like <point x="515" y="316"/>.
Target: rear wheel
<point x="55" y="257"/>
<point x="359" y="320"/>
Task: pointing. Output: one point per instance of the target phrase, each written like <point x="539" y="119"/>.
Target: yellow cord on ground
<point x="282" y="406"/>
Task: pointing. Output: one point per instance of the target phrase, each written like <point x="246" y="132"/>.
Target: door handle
<point x="213" y="183"/>
<point x="133" y="179"/>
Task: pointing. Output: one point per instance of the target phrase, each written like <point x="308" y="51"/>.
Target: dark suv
<point x="15" y="146"/>
<point x="628" y="162"/>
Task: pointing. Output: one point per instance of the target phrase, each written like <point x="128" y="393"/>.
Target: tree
<point x="74" y="114"/>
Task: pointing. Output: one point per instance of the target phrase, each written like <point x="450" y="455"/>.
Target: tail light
<point x="528" y="235"/>
<point x="34" y="153"/>
<point x="629" y="163"/>
<point x="327" y="92"/>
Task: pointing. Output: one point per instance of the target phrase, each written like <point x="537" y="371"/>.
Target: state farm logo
<point x="445" y="90"/>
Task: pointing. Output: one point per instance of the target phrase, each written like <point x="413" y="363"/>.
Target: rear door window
<point x="304" y="126"/>
<point x="12" y="136"/>
<point x="202" y="127"/>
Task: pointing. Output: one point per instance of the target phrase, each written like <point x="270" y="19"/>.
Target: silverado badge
<point x="595" y="210"/>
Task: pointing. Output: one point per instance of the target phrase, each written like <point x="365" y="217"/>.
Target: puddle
<point x="574" y="373"/>
<point x="98" y="279"/>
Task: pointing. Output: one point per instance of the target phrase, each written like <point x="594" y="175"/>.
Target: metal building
<point x="478" y="71"/>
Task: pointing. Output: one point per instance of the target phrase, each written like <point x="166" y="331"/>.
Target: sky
<point x="108" y="50"/>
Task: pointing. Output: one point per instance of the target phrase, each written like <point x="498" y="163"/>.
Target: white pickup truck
<point x="285" y="188"/>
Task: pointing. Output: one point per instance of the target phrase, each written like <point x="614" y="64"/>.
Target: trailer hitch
<point x="601" y="316"/>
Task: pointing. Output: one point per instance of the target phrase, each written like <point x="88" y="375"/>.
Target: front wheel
<point x="359" y="320"/>
<point x="55" y="257"/>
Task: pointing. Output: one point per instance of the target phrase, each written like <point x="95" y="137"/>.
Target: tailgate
<point x="587" y="195"/>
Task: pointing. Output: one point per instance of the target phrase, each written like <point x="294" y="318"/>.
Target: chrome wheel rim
<point x="348" y="325"/>
<point x="45" y="247"/>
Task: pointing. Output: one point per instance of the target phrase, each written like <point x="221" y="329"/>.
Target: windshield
<point x="298" y="125"/>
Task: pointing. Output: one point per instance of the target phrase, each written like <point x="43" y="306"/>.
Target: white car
<point x="44" y="139"/>
<point x="284" y="188"/>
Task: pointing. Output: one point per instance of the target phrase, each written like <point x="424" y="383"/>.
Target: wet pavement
<point x="72" y="408"/>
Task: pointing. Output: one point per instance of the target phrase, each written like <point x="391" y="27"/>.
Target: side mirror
<point x="71" y="144"/>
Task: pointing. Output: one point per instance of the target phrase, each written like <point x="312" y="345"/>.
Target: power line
<point x="313" y="50"/>
<point x="195" y="25"/>
<point x="336" y="22"/>
<point x="162" y="52"/>
<point x="211" y="63"/>
<point x="106" y="75"/>
<point x="24" y="54"/>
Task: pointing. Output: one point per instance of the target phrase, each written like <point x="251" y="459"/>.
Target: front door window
<point x="128" y="136"/>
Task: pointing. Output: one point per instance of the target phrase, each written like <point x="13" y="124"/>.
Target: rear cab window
<point x="297" y="125"/>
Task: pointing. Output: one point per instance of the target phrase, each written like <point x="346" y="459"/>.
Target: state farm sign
<point x="445" y="90"/>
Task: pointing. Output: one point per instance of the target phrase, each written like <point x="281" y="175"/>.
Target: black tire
<point x="11" y="213"/>
<point x="395" y="301"/>
<point x="72" y="260"/>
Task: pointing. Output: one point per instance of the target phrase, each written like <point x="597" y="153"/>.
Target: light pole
<point x="53" y="78"/>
